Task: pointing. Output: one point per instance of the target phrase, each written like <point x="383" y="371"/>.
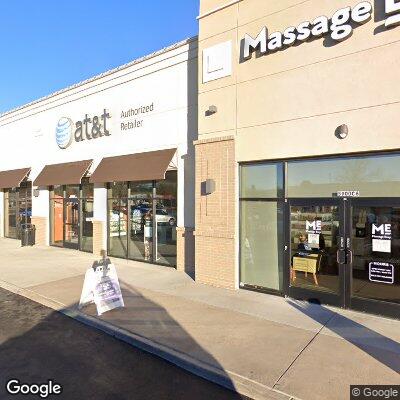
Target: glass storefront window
<point x="261" y="225"/>
<point x="118" y="190"/>
<point x="118" y="227"/>
<point x="166" y="217"/>
<point x="261" y="239"/>
<point x="17" y="209"/>
<point x="376" y="253"/>
<point x="58" y="191"/>
<point x="72" y="191"/>
<point x="87" y="224"/>
<point x="131" y="221"/>
<point x="57" y="221"/>
<point x="141" y="221"/>
<point x="261" y="181"/>
<point x="87" y="189"/>
<point x="373" y="176"/>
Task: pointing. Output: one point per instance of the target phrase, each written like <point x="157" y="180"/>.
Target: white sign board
<point x="381" y="238"/>
<point x="381" y="272"/>
<point x="101" y="286"/>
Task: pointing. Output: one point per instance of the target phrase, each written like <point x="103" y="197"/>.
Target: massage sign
<point x="381" y="238"/>
<point x="313" y="230"/>
<point x="338" y="27"/>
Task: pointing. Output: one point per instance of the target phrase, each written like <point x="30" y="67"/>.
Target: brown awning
<point x="62" y="174"/>
<point x="133" y="167"/>
<point x="13" y="178"/>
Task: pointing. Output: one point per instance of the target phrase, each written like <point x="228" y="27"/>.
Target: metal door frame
<point x="337" y="299"/>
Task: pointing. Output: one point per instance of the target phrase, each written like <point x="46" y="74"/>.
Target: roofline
<point x="104" y="74"/>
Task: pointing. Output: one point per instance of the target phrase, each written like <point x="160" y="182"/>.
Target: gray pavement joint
<point x="302" y="351"/>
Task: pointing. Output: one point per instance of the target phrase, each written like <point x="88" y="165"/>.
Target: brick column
<point x="98" y="231"/>
<point x="215" y="213"/>
<point x="185" y="250"/>
<point x="41" y="229"/>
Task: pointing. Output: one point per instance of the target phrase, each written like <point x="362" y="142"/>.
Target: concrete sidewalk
<point x="263" y="346"/>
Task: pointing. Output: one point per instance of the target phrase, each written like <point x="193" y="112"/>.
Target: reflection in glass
<point x="141" y="214"/>
<point x="72" y="191"/>
<point x="17" y="209"/>
<point x="118" y="190"/>
<point x="373" y="176"/>
<point x="118" y="226"/>
<point x="11" y="201"/>
<point x="57" y="219"/>
<point x="314" y="232"/>
<point x="87" y="225"/>
<point x="166" y="210"/>
<point x="71" y="224"/>
<point x="260" y="253"/>
<point x="376" y="253"/>
<point x="261" y="181"/>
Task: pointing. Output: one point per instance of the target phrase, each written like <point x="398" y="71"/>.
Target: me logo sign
<point x="339" y="27"/>
<point x="384" y="230"/>
<point x="314" y="226"/>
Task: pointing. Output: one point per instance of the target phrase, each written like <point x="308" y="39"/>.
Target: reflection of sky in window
<point x="366" y="169"/>
<point x="258" y="180"/>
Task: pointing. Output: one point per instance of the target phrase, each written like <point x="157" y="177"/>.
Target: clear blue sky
<point x="47" y="45"/>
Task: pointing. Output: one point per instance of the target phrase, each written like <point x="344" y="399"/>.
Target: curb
<point x="227" y="379"/>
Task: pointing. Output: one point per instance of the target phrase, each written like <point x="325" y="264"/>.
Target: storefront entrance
<point x="71" y="224"/>
<point x="71" y="216"/>
<point x="345" y="252"/>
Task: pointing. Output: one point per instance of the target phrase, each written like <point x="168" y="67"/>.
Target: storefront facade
<point x="297" y="158"/>
<point x="106" y="155"/>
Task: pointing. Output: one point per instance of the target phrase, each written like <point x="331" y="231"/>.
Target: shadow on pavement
<point x="380" y="347"/>
<point x="38" y="344"/>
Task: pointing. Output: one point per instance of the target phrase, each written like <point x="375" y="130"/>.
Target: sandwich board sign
<point x="101" y="286"/>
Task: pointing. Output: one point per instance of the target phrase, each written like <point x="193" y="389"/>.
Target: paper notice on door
<point x="313" y="239"/>
<point x="381" y="245"/>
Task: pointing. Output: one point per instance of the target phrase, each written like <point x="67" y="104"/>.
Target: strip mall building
<point x="265" y="153"/>
<point x="104" y="164"/>
<point x="297" y="160"/>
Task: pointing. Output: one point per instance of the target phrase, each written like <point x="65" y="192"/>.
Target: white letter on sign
<point x="392" y="7"/>
<point x="260" y="40"/>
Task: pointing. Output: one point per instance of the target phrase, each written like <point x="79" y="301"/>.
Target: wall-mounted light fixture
<point x="342" y="131"/>
<point x="211" y="110"/>
<point x="207" y="187"/>
<point x="36" y="192"/>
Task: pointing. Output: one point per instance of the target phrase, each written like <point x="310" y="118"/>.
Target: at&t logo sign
<point x="64" y="132"/>
<point x="86" y="129"/>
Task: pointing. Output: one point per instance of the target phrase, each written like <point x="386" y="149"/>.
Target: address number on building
<point x="348" y="193"/>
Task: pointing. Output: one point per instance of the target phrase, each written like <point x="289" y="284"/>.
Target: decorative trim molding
<point x="213" y="140"/>
<point x="206" y="14"/>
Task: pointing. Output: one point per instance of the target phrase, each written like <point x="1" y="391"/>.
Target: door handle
<point x="341" y="256"/>
<point x="350" y="253"/>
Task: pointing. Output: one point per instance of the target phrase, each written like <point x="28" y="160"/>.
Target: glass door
<point x="87" y="225"/>
<point x="316" y="253"/>
<point x="11" y="214"/>
<point x="71" y="223"/>
<point x="374" y="251"/>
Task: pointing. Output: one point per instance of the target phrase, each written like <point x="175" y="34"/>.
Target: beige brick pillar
<point x="98" y="232"/>
<point x="215" y="213"/>
<point x="41" y="230"/>
<point x="185" y="250"/>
